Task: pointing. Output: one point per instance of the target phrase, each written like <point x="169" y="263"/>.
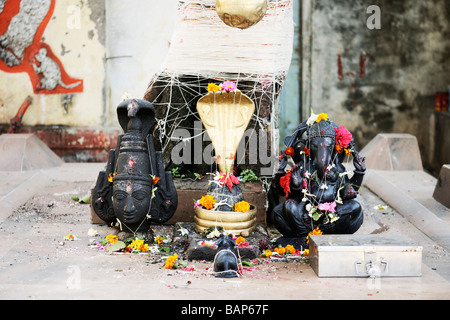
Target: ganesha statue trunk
<point x="135" y="190"/>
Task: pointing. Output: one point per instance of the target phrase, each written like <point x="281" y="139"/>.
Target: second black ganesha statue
<point x="320" y="192"/>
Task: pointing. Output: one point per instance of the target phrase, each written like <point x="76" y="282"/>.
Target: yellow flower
<point x="240" y="239"/>
<point x="306" y="252"/>
<point x="290" y="249"/>
<point x="136" y="244"/>
<point x="143" y="247"/>
<point x="241" y="206"/>
<point x="280" y="250"/>
<point x="111" y="176"/>
<point x="213" y="87"/>
<point x="267" y="253"/>
<point x="207" y="201"/>
<point x="322" y="116"/>
<point x="170" y="261"/>
<point x="159" y="240"/>
<point x="112" y="238"/>
<point x="316" y="231"/>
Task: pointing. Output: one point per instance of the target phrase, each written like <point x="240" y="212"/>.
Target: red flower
<point x="285" y="183"/>
<point x="306" y="152"/>
<point x="343" y="137"/>
<point x="229" y="179"/>
<point x="290" y="151"/>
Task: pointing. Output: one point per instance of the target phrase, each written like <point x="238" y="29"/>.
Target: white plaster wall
<point x="138" y="34"/>
<point x="81" y="54"/>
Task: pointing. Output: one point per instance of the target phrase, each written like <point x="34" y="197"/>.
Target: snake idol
<point x="135" y="189"/>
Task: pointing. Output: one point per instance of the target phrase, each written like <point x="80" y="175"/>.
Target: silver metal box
<point x="365" y="256"/>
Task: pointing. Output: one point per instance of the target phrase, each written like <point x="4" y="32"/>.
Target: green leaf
<point x="316" y="216"/>
<point x="119" y="245"/>
<point x="86" y="199"/>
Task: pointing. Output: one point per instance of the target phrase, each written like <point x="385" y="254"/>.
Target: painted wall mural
<point x="22" y="24"/>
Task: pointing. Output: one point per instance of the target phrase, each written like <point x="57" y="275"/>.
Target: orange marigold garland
<point x="242" y="206"/>
<point x="207" y="202"/>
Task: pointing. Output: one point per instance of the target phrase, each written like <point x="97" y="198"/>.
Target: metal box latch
<point x="373" y="267"/>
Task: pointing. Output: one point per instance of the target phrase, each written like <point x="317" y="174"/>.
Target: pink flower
<point x="228" y="86"/>
<point x="327" y="206"/>
<point x="343" y="137"/>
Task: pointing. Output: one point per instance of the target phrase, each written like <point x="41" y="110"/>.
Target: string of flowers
<point x="226" y="86"/>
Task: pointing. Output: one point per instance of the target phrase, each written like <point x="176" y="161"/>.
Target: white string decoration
<point x="204" y="49"/>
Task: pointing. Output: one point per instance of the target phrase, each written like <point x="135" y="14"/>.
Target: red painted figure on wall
<point x="22" y="24"/>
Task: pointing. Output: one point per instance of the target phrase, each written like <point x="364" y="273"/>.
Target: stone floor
<point x="36" y="262"/>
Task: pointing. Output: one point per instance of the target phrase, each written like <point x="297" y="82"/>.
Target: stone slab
<point x="392" y="187"/>
<point x="197" y="251"/>
<point x="442" y="189"/>
<point x="25" y="152"/>
<point x="393" y="152"/>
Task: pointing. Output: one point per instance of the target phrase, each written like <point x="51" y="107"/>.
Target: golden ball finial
<point x="241" y="14"/>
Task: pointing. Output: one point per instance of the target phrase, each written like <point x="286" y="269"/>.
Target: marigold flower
<point x="280" y="250"/>
<point x="316" y="231"/>
<point x="306" y="152"/>
<point x="240" y="239"/>
<point x="242" y="206"/>
<point x="136" y="244"/>
<point x="159" y="240"/>
<point x="155" y="180"/>
<point x="143" y="247"/>
<point x="290" y="151"/>
<point x="322" y="116"/>
<point x="306" y="252"/>
<point x="267" y="253"/>
<point x="207" y="201"/>
<point x="212" y="87"/>
<point x="112" y="238"/>
<point x="290" y="248"/>
<point x="111" y="176"/>
<point x="170" y="261"/>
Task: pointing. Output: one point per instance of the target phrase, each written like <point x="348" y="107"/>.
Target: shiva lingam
<point x="225" y="112"/>
<point x="241" y="14"/>
<point x="319" y="191"/>
<point x="135" y="190"/>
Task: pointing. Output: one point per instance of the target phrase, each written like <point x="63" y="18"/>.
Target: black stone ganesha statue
<point x="320" y="192"/>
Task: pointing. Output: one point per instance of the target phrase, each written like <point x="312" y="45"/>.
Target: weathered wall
<point x="73" y="55"/>
<point x="380" y="80"/>
<point x="76" y="58"/>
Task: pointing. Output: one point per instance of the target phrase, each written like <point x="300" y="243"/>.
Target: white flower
<point x="331" y="166"/>
<point x="312" y="119"/>
<point x="307" y="174"/>
<point x="347" y="173"/>
<point x="323" y="186"/>
<point x="92" y="232"/>
<point x="126" y="96"/>
<point x="183" y="231"/>
<point x="334" y="218"/>
<point x="214" y="233"/>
